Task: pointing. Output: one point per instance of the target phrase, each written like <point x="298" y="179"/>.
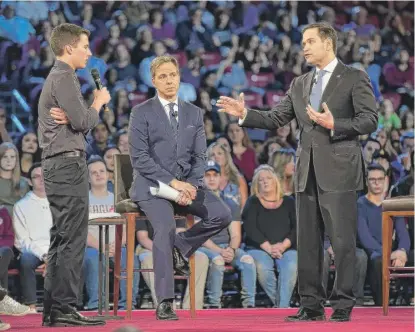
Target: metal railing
<point x="18" y="110"/>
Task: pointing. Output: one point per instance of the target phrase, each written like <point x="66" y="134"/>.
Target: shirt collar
<point x="330" y="67"/>
<point x="63" y="65"/>
<point x="165" y="102"/>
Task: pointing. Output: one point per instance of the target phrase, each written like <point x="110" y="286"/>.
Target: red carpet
<point x="255" y="320"/>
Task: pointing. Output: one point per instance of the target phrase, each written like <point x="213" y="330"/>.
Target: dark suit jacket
<point x="337" y="156"/>
<point x="155" y="154"/>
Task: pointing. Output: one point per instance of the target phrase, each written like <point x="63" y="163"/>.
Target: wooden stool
<point x="123" y="178"/>
<point x="402" y="206"/>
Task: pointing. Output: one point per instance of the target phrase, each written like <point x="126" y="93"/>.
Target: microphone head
<point x="95" y="74"/>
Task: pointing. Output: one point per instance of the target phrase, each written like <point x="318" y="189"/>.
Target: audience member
<point x="12" y="185"/>
<point x="32" y="221"/>
<point x="224" y="248"/>
<point x="269" y="222"/>
<point x="369" y="231"/>
<point x="101" y="201"/>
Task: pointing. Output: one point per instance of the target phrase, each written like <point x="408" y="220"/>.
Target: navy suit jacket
<point x="156" y="155"/>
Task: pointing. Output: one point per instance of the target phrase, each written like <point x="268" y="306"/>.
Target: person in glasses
<point x="369" y="231"/>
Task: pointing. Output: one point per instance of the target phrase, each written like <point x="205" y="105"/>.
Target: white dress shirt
<point x="328" y="71"/>
<point x="165" y="103"/>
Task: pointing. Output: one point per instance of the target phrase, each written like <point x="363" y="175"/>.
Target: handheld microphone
<point x="97" y="79"/>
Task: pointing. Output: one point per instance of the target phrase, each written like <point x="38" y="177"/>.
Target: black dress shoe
<point x="181" y="266"/>
<point x="341" y="315"/>
<point x="71" y="318"/>
<point x="46" y="320"/>
<point x="165" y="311"/>
<point x="306" y="315"/>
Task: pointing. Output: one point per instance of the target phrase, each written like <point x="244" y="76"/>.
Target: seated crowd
<point x="224" y="48"/>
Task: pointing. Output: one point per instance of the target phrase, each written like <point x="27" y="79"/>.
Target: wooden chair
<point x="393" y="207"/>
<point x="123" y="178"/>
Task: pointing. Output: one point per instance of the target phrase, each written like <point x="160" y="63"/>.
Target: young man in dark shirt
<point x="62" y="139"/>
<point x="369" y="230"/>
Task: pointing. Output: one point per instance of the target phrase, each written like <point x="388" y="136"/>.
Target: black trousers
<point x="66" y="184"/>
<point x="335" y="213"/>
<point x="215" y="216"/>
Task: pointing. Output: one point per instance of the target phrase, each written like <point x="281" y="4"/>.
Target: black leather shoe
<point x="306" y="315"/>
<point x="165" y="311"/>
<point x="341" y="315"/>
<point x="71" y="318"/>
<point x="181" y="266"/>
<point x="46" y="320"/>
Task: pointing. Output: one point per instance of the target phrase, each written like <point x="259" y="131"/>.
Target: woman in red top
<point x="243" y="154"/>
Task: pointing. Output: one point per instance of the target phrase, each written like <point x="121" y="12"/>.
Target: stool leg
<point x="192" y="286"/>
<point x="130" y="260"/>
<point x="386" y="253"/>
<point x="100" y="270"/>
<point x="117" y="266"/>
<point x="192" y="279"/>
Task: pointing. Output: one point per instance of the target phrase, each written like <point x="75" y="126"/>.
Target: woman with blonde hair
<point x="12" y="185"/>
<point x="232" y="183"/>
<point x="269" y="222"/>
<point x="282" y="161"/>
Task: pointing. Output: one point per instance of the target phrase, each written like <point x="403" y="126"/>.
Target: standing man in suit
<point x="168" y="144"/>
<point x="333" y="105"/>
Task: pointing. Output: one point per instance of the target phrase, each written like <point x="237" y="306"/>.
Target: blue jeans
<point x="91" y="268"/>
<point x="287" y="275"/>
<point x="243" y="262"/>
<point x="28" y="264"/>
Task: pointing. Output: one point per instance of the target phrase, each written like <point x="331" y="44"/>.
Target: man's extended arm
<point x="199" y="155"/>
<point x="277" y="117"/>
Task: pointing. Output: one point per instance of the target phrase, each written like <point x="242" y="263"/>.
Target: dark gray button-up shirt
<point x="62" y="89"/>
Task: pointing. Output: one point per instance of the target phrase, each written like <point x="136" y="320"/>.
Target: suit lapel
<point x="333" y="82"/>
<point x="183" y="116"/>
<point x="307" y="86"/>
<point x="164" y="120"/>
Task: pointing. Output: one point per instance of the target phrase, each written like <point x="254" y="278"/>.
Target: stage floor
<point x="226" y="320"/>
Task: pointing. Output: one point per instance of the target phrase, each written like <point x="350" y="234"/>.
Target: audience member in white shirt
<point x="32" y="221"/>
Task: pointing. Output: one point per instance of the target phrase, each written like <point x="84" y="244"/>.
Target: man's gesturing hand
<point x="232" y="106"/>
<point x="324" y="119"/>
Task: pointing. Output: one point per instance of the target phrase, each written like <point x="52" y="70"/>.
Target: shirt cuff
<point x="241" y="121"/>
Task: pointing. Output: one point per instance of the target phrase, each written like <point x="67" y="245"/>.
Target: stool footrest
<point x="406" y="268"/>
<point x="402" y="275"/>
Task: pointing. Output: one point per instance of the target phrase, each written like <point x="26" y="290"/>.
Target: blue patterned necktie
<point x="317" y="91"/>
<point x="173" y="120"/>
